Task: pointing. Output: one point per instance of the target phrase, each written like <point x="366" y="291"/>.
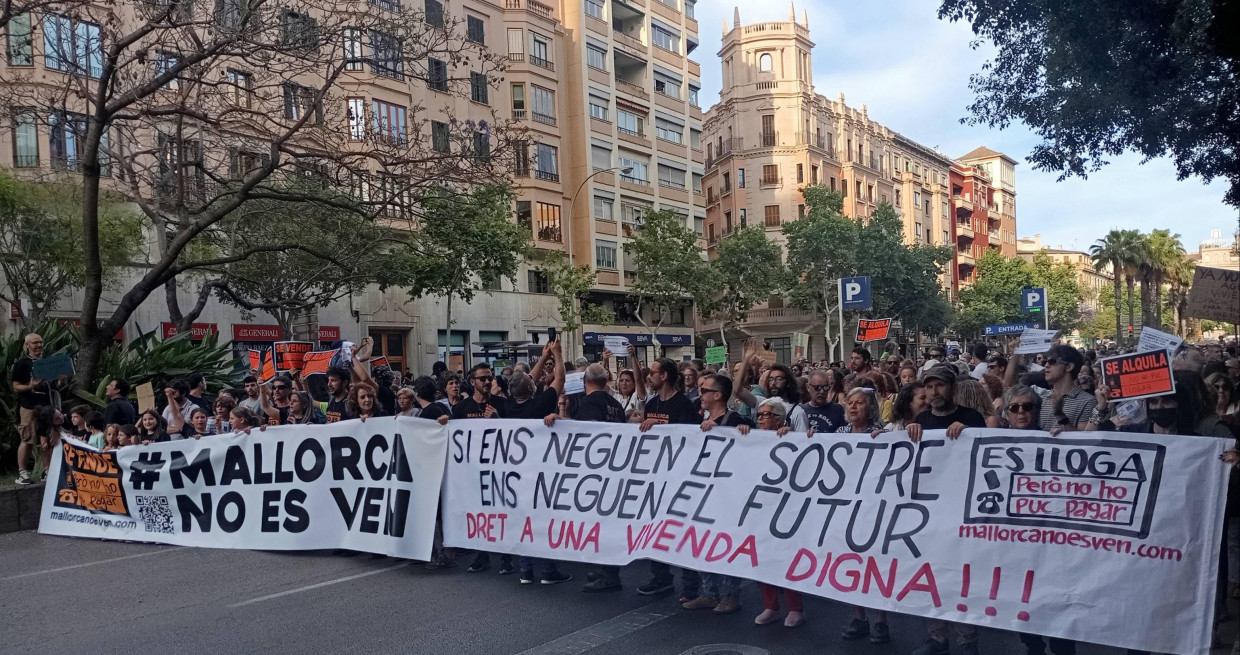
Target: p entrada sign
<point x="1010" y="328"/>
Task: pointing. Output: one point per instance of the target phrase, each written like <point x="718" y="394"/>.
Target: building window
<point x="727" y="223"/>
<point x="629" y="123"/>
<point x="434" y="13"/>
<point x="710" y="233"/>
<point x="665" y="39"/>
<point x="770" y="174"/>
<point x="299" y="30"/>
<point x="357" y="119"/>
<point x="25" y="139"/>
<point x="636" y="176"/>
<point x="72" y="46"/>
<point x="666" y="85"/>
<point x="740" y="178"/>
<point x="598" y="108"/>
<point x="353" y="53"/>
<point x="800" y="211"/>
<point x="482" y="145"/>
<point x="389" y="122"/>
<point x="671" y="177"/>
<point x="242" y="91"/>
<point x="475" y="30"/>
<point x="813" y="175"/>
<point x="594" y="8"/>
<point x="21" y="41"/>
<point x="518" y="101"/>
<point x="693" y="95"/>
<point x="521" y="165"/>
<point x="604" y="209"/>
<point x="596" y="57"/>
<point x="386" y="55"/>
<point x="478" y="87"/>
<point x="544" y="104"/>
<point x="869" y="192"/>
<point x="668" y="131"/>
<point x="771" y="215"/>
<point x="605" y="254"/>
<point x="859" y="196"/>
<point x="540" y="50"/>
<point x="437" y="75"/>
<point x="632" y="214"/>
<point x="727" y="184"/>
<point x="165" y="62"/>
<point x="800" y="173"/>
<point x="768" y="130"/>
<point x="744" y="218"/>
<point x="538" y="282"/>
<point x="439" y="136"/>
<point x="844" y="187"/>
<point x="299" y="101"/>
<point x="549" y="223"/>
<point x="765" y="62"/>
<point x="917" y="199"/>
<point x="546" y="164"/>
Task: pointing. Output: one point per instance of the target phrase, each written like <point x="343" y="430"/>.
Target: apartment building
<point x="771" y="135"/>
<point x="1093" y="282"/>
<point x="1217" y="252"/>
<point x="607" y="95"/>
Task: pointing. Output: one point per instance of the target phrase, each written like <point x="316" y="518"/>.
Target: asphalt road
<point x="62" y="595"/>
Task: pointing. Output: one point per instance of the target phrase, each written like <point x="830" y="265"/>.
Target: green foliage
<point x="42" y="253"/>
<point x="670" y="269"/>
<point x="825" y="245"/>
<point x="748" y="269"/>
<point x="995" y="298"/>
<point x="465" y="240"/>
<point x="1096" y="79"/>
<point x="571" y="284"/>
<point x="145" y="359"/>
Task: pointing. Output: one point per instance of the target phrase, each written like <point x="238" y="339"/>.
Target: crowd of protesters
<point x="938" y="389"/>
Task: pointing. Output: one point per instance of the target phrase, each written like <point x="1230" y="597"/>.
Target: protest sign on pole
<point x="370" y="486"/>
<point x="872" y="329"/>
<point x="1215" y="295"/>
<point x="1152" y="339"/>
<point x="717" y="355"/>
<point x="1138" y="375"/>
<point x="1035" y="342"/>
<point x="290" y="355"/>
<point x="998" y="528"/>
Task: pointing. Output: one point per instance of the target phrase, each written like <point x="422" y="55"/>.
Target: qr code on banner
<point x="156" y="514"/>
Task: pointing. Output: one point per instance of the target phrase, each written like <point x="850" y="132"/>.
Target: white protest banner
<point x="370" y="486"/>
<point x="1099" y="537"/>
<point x="1152" y="339"/>
<point x="1035" y="342"/>
<point x="619" y="346"/>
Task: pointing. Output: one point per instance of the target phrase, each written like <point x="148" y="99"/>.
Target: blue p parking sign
<point x="855" y="292"/>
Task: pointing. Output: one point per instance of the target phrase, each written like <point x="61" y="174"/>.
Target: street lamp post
<point x="624" y="170"/>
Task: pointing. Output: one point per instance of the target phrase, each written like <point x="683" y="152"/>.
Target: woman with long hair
<point x="970" y="393"/>
<point x="631" y="398"/>
<point x="151" y="428"/>
<point x="363" y="402"/>
<point x="910" y="402"/>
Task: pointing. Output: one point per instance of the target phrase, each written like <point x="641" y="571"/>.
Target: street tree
<point x="193" y="109"/>
<point x="571" y="286"/>
<point x="1100" y="78"/>
<point x="994" y="299"/>
<point x="1120" y="251"/>
<point x="672" y="274"/>
<point x="748" y="269"/>
<point x="1165" y="253"/>
<point x="904" y="279"/>
<point x="821" y="248"/>
<point x="467" y="243"/>
<point x="42" y="255"/>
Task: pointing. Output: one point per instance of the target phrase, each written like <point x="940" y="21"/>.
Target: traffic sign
<point x="1010" y="328"/>
<point x="855" y="292"/>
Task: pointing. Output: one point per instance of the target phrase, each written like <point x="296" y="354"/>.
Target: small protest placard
<point x="717" y="355"/>
<point x="378" y="361"/>
<point x="873" y="329"/>
<point x="1138" y="375"/>
<point x="574" y="383"/>
<point x="316" y="362"/>
<point x="291" y="354"/>
<point x="1152" y="339"/>
<point x="1035" y="342"/>
<point x="146" y="396"/>
<point x="52" y="367"/>
<point x="260" y="360"/>
<point x="619" y="346"/>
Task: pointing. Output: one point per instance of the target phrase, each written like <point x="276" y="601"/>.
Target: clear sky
<point x="912" y="71"/>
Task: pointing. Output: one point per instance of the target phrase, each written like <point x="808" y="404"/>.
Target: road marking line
<point x="593" y="636"/>
<point x="102" y="561"/>
<point x="318" y="585"/>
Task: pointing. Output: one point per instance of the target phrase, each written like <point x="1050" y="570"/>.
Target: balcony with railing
<point x="811" y="139"/>
<point x="964" y="230"/>
<point x="964" y="203"/>
<point x="533" y="6"/>
<point x="769" y="181"/>
<point x="550" y="176"/>
<point x="768" y="139"/>
<point x="724" y="147"/>
<point x="631" y="88"/>
<point x="546" y="119"/>
<point x="964" y="257"/>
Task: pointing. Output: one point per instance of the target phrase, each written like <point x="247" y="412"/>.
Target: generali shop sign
<point x="199" y="330"/>
<point x="257" y="333"/>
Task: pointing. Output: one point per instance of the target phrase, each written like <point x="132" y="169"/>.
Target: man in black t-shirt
<point x="336" y="407"/>
<point x="596" y="404"/>
<point x="119" y="410"/>
<point x="668" y="406"/>
<point x="715" y="392"/>
<point x="944" y="413"/>
<point x="822" y="415"/>
<point x="524" y="401"/>
<point x="480" y="404"/>
<point x="32" y="393"/>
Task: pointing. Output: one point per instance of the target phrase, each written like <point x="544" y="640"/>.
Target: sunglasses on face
<point x="766" y="415"/>
<point x="1050" y="361"/>
<point x="484" y="378"/>
<point x="818" y="387"/>
<point x="1021" y="408"/>
<point x="279" y="387"/>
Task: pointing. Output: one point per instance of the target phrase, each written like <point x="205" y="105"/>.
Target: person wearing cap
<point x="944" y="413"/>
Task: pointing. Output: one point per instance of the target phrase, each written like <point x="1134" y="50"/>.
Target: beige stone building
<point x="771" y="135"/>
<point x="1216" y="252"/>
<point x="1093" y="282"/>
<point x="610" y="99"/>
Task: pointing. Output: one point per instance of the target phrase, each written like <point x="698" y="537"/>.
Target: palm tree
<point x="1180" y="279"/>
<point x="1166" y="254"/>
<point x="1118" y="250"/>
